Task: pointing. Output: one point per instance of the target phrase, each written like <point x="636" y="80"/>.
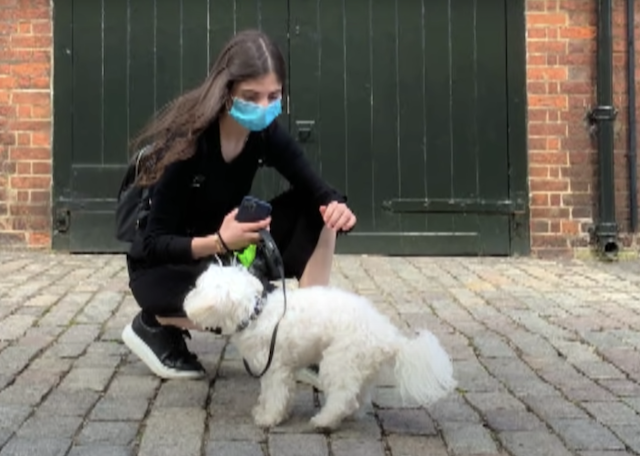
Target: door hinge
<point x="62" y="220"/>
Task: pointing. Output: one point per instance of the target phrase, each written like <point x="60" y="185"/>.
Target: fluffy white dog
<point x="341" y="331"/>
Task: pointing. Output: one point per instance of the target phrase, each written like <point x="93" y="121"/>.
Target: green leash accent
<point x="247" y="256"/>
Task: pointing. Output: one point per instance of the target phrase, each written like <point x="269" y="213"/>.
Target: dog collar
<point x="257" y="310"/>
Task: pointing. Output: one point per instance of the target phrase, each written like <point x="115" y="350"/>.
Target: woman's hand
<point x="236" y="235"/>
<point x="338" y="216"/>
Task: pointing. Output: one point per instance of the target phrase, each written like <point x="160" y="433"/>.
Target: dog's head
<point x="224" y="297"/>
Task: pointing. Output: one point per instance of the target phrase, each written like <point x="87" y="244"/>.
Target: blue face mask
<point x="254" y="117"/>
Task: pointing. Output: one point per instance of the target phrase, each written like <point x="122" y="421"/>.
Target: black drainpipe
<point x="603" y="115"/>
<point x="632" y="142"/>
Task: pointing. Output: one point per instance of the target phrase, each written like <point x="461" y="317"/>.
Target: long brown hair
<point x="173" y="133"/>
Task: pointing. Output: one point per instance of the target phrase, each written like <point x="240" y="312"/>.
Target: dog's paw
<point x="321" y="423"/>
<point x="265" y="420"/>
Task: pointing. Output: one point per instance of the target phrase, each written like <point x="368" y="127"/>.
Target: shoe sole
<point x="142" y="350"/>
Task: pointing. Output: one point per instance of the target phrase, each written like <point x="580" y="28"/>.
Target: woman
<point x="207" y="145"/>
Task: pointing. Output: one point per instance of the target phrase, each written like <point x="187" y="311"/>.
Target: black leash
<point x="274" y="261"/>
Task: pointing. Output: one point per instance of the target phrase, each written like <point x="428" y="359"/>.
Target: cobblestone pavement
<point x="547" y="355"/>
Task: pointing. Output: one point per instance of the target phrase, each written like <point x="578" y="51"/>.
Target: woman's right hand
<point x="237" y="235"/>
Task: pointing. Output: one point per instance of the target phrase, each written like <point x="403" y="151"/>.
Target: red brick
<point x="30" y="153"/>
<point x="30" y="182"/>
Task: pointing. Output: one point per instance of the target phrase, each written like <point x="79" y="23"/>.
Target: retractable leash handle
<point x="274" y="266"/>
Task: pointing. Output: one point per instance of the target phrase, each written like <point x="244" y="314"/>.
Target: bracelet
<point x="224" y="244"/>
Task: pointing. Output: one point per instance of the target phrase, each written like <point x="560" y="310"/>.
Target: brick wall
<point x="562" y="160"/>
<point x="561" y="89"/>
<point x="25" y="122"/>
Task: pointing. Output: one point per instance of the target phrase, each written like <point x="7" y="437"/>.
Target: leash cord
<point x="272" y="345"/>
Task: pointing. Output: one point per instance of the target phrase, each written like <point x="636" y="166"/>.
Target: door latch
<point x="304" y="129"/>
<point x="63" y="220"/>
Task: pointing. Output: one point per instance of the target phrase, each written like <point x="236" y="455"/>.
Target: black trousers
<point x="295" y="228"/>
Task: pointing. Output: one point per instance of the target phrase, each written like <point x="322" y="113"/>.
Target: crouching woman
<point x="208" y="145"/>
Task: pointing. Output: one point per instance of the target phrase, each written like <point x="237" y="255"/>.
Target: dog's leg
<point x="364" y="399"/>
<point x="343" y="374"/>
<point x="276" y="393"/>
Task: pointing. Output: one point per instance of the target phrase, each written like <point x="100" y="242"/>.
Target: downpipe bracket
<point x="600" y="114"/>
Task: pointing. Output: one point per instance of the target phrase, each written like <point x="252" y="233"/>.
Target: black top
<point x="181" y="211"/>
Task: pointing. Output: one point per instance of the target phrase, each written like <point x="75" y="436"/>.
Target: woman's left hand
<point x="338" y="216"/>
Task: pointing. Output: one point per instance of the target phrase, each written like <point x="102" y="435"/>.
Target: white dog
<point x="342" y="332"/>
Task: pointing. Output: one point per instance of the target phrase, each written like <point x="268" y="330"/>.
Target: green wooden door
<point x="405" y="105"/>
<point x="117" y="62"/>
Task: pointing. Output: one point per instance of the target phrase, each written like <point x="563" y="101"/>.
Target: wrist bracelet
<point x="224" y="244"/>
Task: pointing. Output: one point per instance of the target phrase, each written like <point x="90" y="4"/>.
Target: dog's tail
<point x="423" y="369"/>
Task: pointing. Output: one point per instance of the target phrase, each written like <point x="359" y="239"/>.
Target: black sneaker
<point x="163" y="350"/>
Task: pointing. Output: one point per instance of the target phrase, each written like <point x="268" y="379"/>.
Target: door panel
<point x="410" y="112"/>
<point x="126" y="59"/>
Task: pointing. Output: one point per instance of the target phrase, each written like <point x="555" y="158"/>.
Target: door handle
<point x="304" y="129"/>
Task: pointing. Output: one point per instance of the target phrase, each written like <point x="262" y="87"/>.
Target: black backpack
<point x="133" y="202"/>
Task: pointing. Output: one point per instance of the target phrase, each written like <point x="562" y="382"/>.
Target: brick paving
<point x="547" y="355"/>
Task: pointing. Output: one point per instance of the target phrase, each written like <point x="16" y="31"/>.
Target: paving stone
<point x="297" y="444"/>
<point x="490" y="346"/>
<point x="15" y="358"/>
<point x="234" y="429"/>
<point x="513" y="420"/>
<point x="533" y="443"/>
<point x="14" y="326"/>
<point x="113" y="434"/>
<point x="355" y="447"/>
<point x="234" y="448"/>
<point x="5" y="435"/>
<point x="612" y="413"/>
<point x="409" y="445"/>
<point x="453" y="409"/>
<point x="464" y="438"/>
<point x="600" y="370"/>
<point x="494" y="401"/>
<point x="100" y="307"/>
<point x="407" y="422"/>
<point x="365" y="427"/>
<point x="26" y="392"/>
<point x="624" y="388"/>
<point x="119" y="409"/>
<point x="49" y="426"/>
<point x="234" y="397"/>
<point x="584" y="434"/>
<point x="135" y="387"/>
<point x="102" y="355"/>
<point x="12" y="416"/>
<point x="100" y="450"/>
<point x="553" y="407"/>
<point x="87" y="378"/>
<point x="171" y="431"/>
<point x="603" y="453"/>
<point x="69" y="403"/>
<point x="19" y="446"/>
<point x="629" y="434"/>
<point x="178" y="394"/>
<point x="65" y="309"/>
